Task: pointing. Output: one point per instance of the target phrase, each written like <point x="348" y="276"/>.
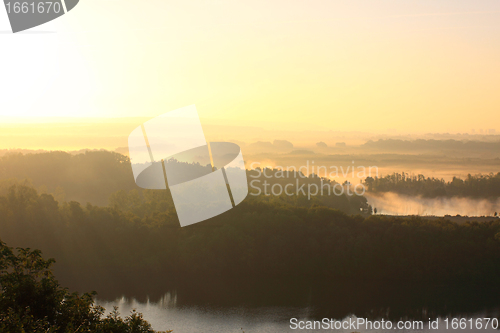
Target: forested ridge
<point x="476" y="186"/>
<point x="128" y="240"/>
<point x="94" y="176"/>
<point x="136" y="233"/>
<point x="262" y="239"/>
<point x="88" y="177"/>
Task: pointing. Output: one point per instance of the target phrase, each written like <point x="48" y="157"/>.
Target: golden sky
<point x="418" y="66"/>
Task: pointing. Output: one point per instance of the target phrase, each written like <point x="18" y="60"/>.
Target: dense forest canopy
<point x="95" y="177"/>
<point x="477" y="186"/>
<point x="261" y="239"/>
<point x="88" y="177"/>
<point x="107" y="233"/>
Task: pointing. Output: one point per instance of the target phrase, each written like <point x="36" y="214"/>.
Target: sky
<point x="415" y="66"/>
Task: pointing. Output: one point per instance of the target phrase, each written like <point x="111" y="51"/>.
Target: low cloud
<point x="395" y="204"/>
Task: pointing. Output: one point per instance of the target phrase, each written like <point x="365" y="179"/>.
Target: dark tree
<point x="31" y="300"/>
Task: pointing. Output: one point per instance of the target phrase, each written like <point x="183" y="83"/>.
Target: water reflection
<point x="167" y="314"/>
<point x="225" y="308"/>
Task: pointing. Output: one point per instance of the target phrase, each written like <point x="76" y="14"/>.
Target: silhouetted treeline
<point x="299" y="190"/>
<point x="94" y="177"/>
<point x="262" y="240"/>
<point x="88" y="177"/>
<point x="483" y="186"/>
